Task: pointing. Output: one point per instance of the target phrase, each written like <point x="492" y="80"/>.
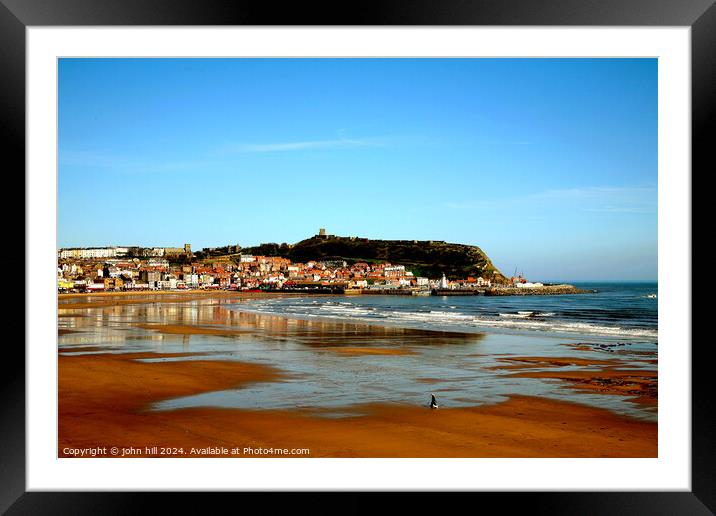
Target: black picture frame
<point x="17" y="15"/>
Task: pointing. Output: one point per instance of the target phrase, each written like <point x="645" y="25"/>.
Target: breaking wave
<point x="446" y="320"/>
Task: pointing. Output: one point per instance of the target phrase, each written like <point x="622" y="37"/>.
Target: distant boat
<point x="651" y="296"/>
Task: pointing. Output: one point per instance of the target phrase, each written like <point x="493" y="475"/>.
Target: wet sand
<point x="180" y="329"/>
<point x="532" y="362"/>
<point x="610" y="377"/>
<point x="103" y="401"/>
<point x="638" y="384"/>
<point x="370" y="351"/>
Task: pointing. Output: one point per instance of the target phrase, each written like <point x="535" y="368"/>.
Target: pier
<point x="546" y="290"/>
<point x="457" y="292"/>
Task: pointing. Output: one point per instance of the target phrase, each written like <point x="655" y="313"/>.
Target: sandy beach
<point x="103" y="399"/>
<point x="154" y="351"/>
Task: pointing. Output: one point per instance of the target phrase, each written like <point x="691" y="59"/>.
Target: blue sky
<point x="549" y="165"/>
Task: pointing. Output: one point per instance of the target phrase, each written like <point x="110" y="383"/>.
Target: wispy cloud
<point x="339" y="143"/>
<point x="620" y="199"/>
<point x="626" y="199"/>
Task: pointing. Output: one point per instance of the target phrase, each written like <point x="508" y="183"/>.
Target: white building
<point x="394" y="271"/>
<point x="443" y="282"/>
<point x="191" y="280"/>
<point x="156" y="252"/>
<point x="88" y="252"/>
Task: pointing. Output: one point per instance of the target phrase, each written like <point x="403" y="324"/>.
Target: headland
<point x="322" y="264"/>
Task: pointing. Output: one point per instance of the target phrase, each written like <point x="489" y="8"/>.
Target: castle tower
<point x="322" y="232"/>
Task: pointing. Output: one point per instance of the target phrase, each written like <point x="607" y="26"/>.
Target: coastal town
<point x="133" y="268"/>
<point x="159" y="268"/>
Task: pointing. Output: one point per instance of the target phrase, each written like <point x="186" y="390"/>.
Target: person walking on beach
<point x="433" y="402"/>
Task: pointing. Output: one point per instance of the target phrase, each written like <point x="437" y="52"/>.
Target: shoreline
<point x="145" y="293"/>
<point x="547" y="290"/>
<point x="108" y="299"/>
<point x="104" y="399"/>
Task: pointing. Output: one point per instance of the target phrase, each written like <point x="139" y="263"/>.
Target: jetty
<point x="544" y="290"/>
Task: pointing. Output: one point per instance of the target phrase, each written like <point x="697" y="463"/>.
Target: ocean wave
<point x="532" y="321"/>
<point x="526" y="315"/>
<point x="438" y="313"/>
<point x="571" y="327"/>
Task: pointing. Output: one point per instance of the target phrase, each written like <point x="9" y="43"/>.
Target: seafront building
<point x="122" y="252"/>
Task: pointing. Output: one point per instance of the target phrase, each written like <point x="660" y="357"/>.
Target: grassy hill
<point x="429" y="258"/>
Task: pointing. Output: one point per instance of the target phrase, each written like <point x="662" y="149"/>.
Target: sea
<point x="609" y="310"/>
